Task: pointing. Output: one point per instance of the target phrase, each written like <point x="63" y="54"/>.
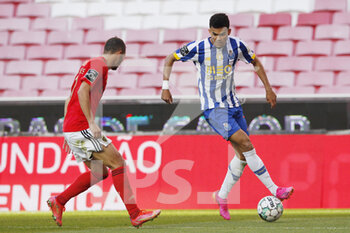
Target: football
<point x="270" y="208"/>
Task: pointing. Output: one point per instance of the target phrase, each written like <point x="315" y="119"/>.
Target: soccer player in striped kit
<point x="84" y="138"/>
<point x="215" y="59"/>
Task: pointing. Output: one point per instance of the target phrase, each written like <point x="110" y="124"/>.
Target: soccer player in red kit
<point x="84" y="138"/>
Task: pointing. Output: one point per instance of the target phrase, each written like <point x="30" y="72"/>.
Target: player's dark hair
<point x="219" y="20"/>
<point x="113" y="45"/>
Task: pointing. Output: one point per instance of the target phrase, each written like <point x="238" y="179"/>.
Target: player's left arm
<point x="85" y="104"/>
<point x="260" y="71"/>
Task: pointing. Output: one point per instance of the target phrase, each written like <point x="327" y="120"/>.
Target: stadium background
<point x="304" y="45"/>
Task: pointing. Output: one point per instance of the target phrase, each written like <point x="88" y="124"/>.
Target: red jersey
<point x="94" y="72"/>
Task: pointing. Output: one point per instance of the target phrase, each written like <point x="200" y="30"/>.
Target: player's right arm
<point x="169" y="62"/>
<point x="187" y="52"/>
<point x="84" y="101"/>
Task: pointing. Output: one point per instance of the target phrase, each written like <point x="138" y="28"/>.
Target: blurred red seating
<point x="273" y="20"/>
<point x="110" y="92"/>
<point x="88" y="23"/>
<point x="245" y="79"/>
<point x="55" y="93"/>
<point x="151" y="80"/>
<point x="139" y="66"/>
<point x="6" y="10"/>
<point x="334" y="5"/>
<point x="241" y="20"/>
<point x="341" y="18"/>
<point x="14" y="24"/>
<point x="332" y="32"/>
<point x="342" y="47"/>
<point x="275" y="48"/>
<point x="181" y="91"/>
<point x="133" y="50"/>
<point x="294" y="64"/>
<point x="33" y="10"/>
<point x="256" y="34"/>
<point x="50" y="24"/>
<point x="101" y="36"/>
<point x="180" y="67"/>
<point x="45" y="52"/>
<point x="66" y="82"/>
<point x="65" y="37"/>
<point x="343" y="79"/>
<point x="12" y="52"/>
<point x="17" y="1"/>
<point x="82" y="51"/>
<point x="20" y="93"/>
<point x="180" y="35"/>
<point x="315" y="79"/>
<point x="186" y="80"/>
<point x="313" y="19"/>
<point x="117" y="80"/>
<point x="158" y="50"/>
<point x="24" y="67"/>
<point x="138" y="92"/>
<point x="2" y="68"/>
<point x="251" y="91"/>
<point x="62" y="67"/>
<point x="334" y="90"/>
<point x="333" y="63"/>
<point x="4" y="38"/>
<point x="142" y="36"/>
<point x="314" y="48"/>
<point x="296" y="90"/>
<point x="28" y="38"/>
<point x="40" y="83"/>
<point x="280" y="79"/>
<point x="10" y="82"/>
<point x="295" y="33"/>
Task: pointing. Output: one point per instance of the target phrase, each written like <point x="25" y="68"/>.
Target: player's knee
<point x="246" y="145"/>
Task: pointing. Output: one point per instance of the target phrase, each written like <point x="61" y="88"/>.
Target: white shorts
<point x="83" y="144"/>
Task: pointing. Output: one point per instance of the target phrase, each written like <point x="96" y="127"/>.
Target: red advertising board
<point x="178" y="172"/>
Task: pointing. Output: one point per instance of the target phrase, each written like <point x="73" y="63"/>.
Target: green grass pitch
<point x="171" y="221"/>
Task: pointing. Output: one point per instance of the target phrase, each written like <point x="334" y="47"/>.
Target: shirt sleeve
<point x="92" y="72"/>
<point x="187" y="52"/>
<point x="245" y="53"/>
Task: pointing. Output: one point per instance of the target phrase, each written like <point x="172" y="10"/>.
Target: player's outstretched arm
<point x="168" y="65"/>
<point x="260" y="71"/>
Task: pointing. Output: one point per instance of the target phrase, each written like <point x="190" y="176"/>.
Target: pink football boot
<point x="284" y="193"/>
<point x="222" y="206"/>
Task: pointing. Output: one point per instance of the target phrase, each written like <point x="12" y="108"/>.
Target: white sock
<point x="257" y="166"/>
<point x="234" y="172"/>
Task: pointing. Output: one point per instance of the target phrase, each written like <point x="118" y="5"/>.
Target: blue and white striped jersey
<point x="215" y="69"/>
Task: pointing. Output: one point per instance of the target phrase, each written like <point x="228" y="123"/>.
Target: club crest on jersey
<point x="184" y="50"/>
<point x="227" y="126"/>
<point x="91" y="75"/>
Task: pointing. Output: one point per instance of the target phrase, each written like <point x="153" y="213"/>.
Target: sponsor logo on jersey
<point x="184" y="50"/>
<point x="91" y="75"/>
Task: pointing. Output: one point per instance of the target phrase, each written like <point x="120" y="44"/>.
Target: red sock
<point x="121" y="184"/>
<point x="82" y="183"/>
